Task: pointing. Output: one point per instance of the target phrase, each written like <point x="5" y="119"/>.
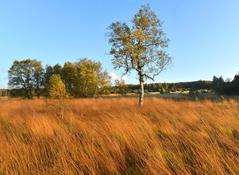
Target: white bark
<point x="141" y="94"/>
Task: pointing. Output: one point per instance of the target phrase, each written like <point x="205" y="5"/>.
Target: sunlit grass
<point x="115" y="136"/>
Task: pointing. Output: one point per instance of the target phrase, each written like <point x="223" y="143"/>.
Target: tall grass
<point x="114" y="136"/>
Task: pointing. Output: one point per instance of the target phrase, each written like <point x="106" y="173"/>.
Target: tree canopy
<point x="91" y="78"/>
<point x="27" y="75"/>
<point x="85" y="78"/>
<point x="57" y="88"/>
<point x="226" y="87"/>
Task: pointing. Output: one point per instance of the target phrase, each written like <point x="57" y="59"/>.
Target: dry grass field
<point x="115" y="136"/>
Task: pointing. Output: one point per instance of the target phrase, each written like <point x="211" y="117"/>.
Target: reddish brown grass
<point x="115" y="136"/>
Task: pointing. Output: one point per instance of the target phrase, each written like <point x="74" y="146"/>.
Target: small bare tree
<point x="141" y="47"/>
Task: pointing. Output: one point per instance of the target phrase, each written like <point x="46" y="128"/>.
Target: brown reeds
<point x="115" y="136"/>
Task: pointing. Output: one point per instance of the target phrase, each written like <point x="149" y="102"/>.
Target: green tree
<point x="141" y="47"/>
<point x="57" y="87"/>
<point x="85" y="78"/>
<point x="69" y="75"/>
<point x="27" y="75"/>
<point x="91" y="78"/>
<point x="235" y="84"/>
<point x="48" y="73"/>
<point x="57" y="69"/>
<point x="38" y="77"/>
<point x="218" y="85"/>
<point x="164" y="88"/>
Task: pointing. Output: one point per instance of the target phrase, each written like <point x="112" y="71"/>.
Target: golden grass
<point x="114" y="136"/>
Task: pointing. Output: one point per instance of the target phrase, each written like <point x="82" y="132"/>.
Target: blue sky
<point x="204" y="34"/>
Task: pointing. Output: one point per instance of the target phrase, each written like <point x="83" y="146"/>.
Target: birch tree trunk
<point x="141" y="94"/>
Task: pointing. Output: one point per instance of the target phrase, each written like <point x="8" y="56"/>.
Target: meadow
<point x="115" y="136"/>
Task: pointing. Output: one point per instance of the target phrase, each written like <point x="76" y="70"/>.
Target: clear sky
<point x="204" y="34"/>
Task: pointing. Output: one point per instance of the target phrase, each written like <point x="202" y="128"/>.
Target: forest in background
<point x="87" y="78"/>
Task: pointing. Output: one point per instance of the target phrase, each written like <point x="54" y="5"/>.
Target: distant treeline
<point x="132" y="88"/>
<point x="86" y="78"/>
<point x="165" y="87"/>
<point x="226" y="87"/>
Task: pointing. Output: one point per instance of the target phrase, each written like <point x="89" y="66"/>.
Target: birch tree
<point x="140" y="47"/>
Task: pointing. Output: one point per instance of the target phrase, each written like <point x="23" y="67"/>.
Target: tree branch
<point x="152" y="78"/>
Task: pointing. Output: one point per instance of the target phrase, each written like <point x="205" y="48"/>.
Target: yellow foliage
<point x="57" y="88"/>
